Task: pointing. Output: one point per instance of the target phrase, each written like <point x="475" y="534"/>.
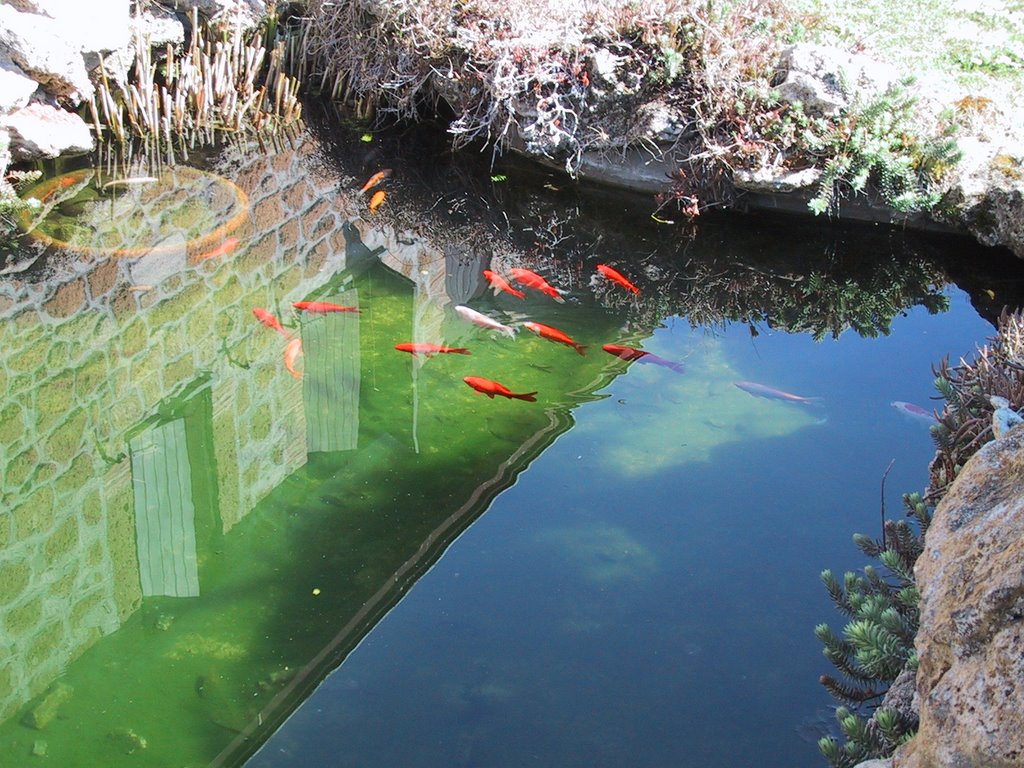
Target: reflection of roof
<point x="430" y="549"/>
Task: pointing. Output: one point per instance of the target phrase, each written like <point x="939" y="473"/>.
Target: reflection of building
<point x="151" y="475"/>
<point x="330" y="344"/>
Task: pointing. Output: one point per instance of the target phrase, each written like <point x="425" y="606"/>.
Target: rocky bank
<point x="971" y="642"/>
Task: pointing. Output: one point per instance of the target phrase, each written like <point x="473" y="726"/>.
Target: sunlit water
<point x="646" y="593"/>
<point x="197" y="546"/>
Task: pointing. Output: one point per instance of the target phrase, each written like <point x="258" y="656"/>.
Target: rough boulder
<point x="971" y="639"/>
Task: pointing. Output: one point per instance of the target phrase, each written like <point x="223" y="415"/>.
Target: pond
<point x="235" y="531"/>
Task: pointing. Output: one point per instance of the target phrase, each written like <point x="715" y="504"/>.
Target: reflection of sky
<point x="671" y="419"/>
<point x="631" y="601"/>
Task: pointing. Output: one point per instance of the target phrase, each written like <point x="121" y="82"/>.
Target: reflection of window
<point x="463" y="274"/>
<point x="330" y="347"/>
<point x="165" y="529"/>
<point x="174" y="479"/>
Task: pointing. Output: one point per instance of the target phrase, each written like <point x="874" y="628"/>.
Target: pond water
<point x="209" y="559"/>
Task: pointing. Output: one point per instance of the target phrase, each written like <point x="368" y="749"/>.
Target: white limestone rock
<point x="42" y="130"/>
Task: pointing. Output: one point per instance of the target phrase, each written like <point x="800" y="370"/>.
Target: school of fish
<point x="526" y="279"/>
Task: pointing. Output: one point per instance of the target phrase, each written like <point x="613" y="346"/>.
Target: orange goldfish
<point x="616" y="277"/>
<point x="535" y="281"/>
<point x="492" y="388"/>
<point x="376" y="179"/>
<point x="502" y="284"/>
<point x="221" y="250"/>
<point x="291" y="351"/>
<point x="377" y="199"/>
<point x="322" y="307"/>
<point x="426" y="349"/>
<point x="553" y="334"/>
<point x="270" y="321"/>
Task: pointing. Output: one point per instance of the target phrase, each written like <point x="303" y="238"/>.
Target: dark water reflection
<point x="192" y="538"/>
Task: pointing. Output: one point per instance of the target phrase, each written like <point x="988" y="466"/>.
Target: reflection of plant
<point x="11" y="206"/>
<point x="965" y="424"/>
<point x="878" y="642"/>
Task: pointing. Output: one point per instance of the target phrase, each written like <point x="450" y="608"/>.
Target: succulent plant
<point x="877" y="643"/>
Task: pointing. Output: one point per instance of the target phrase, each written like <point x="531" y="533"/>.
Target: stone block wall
<point x="88" y="358"/>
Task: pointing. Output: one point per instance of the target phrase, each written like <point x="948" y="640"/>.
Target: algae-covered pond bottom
<point x="226" y="541"/>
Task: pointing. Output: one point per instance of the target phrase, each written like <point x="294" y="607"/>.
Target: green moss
<point x="14" y="578"/>
<point x="63" y="445"/>
<point x="54" y="399"/>
<point x="91" y="375"/>
<point x="63" y="543"/>
<point x="22" y="620"/>
<point x="261" y="423"/>
<point x="12" y="424"/>
<point x="35" y="515"/>
<point x="20" y="468"/>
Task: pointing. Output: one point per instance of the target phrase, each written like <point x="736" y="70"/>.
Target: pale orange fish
<point x="553" y="334"/>
<point x="221" y="250"/>
<point x="376" y="179"/>
<point x="270" y="321"/>
<point x="377" y="200"/>
<point x="291" y="351"/>
<point x="616" y="277"/>
<point x="492" y="388"/>
<point x="502" y="284"/>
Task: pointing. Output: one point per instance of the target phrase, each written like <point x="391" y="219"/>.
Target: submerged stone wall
<point x="87" y="360"/>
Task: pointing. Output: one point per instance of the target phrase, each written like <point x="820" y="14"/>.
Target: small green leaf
<point x="499" y="177"/>
<point x="366" y="137"/>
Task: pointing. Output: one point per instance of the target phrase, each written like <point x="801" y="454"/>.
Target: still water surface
<point x="623" y="572"/>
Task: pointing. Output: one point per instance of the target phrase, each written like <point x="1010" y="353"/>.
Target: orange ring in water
<point x="193" y="248"/>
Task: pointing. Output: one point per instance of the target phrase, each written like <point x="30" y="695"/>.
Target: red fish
<point x="270" y="321"/>
<point x="616" y="277"/>
<point x="771" y="393"/>
<point x="427" y="349"/>
<point x="221" y="250"/>
<point x="553" y="334"/>
<point x="492" y="388"/>
<point x="376" y="179"/>
<point x="642" y="356"/>
<point x="291" y="351"/>
<point x="377" y="200"/>
<point x="535" y="281"/>
<point x="502" y="284"/>
<point x="322" y="307"/>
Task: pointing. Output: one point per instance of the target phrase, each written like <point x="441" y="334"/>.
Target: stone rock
<point x="876" y="763"/>
<point x="46" y="707"/>
<point x="775" y="180"/>
<point x="826" y="80"/>
<point x="37" y="44"/>
<point x="902" y="696"/>
<point x="1004" y="418"/>
<point x="44" y="131"/>
<point x="16" y="88"/>
<point x="971" y="639"/>
<point x="247" y="13"/>
<point x="985" y="191"/>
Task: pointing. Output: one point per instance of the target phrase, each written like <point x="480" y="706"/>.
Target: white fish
<point x="478" y="318"/>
